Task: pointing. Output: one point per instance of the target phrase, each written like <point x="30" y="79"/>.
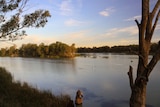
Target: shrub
<point x="16" y="94"/>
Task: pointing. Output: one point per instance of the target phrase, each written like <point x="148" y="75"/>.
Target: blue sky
<point x="88" y="22"/>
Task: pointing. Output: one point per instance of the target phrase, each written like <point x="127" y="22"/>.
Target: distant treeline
<point x="54" y="50"/>
<point x="129" y="49"/>
<point x="62" y="50"/>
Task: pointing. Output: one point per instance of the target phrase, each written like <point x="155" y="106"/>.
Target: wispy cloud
<point x="73" y="22"/>
<point x="67" y="38"/>
<point x="117" y="36"/>
<point x="66" y="7"/>
<point x="138" y="17"/>
<point x="36" y="39"/>
<point x="77" y="37"/>
<point x="107" y="12"/>
<point x="130" y="31"/>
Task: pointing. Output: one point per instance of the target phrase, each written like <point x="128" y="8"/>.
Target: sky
<point x="87" y="23"/>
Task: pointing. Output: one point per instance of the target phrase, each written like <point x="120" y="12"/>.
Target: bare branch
<point x="137" y="23"/>
<point x="155" y="23"/>
<point x="154" y="61"/>
<point x="154" y="11"/>
<point x="148" y="28"/>
<point x="24" y="3"/>
<point x="145" y="13"/>
<point x="130" y="74"/>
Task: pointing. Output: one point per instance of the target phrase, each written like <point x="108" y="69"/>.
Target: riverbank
<point x="17" y="94"/>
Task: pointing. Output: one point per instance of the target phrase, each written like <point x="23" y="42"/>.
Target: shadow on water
<point x="117" y="103"/>
<point x="88" y="95"/>
<point x="114" y="103"/>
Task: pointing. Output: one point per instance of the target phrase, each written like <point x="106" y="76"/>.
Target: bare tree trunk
<point x="138" y="95"/>
<point x="146" y="29"/>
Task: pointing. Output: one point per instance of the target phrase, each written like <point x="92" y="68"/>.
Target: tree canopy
<point x="13" y="19"/>
<point x="54" y="50"/>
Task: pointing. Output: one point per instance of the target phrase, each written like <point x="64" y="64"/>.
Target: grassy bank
<point x="16" y="94"/>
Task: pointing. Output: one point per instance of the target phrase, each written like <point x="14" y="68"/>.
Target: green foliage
<point x="3" y="52"/>
<point x="28" y="50"/>
<point x="54" y="50"/>
<point x="59" y="49"/>
<point x="13" y="19"/>
<point x="94" y="49"/>
<point x="16" y="94"/>
<point x="36" y="19"/>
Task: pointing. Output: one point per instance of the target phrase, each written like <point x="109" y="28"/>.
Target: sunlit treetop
<point x="14" y="18"/>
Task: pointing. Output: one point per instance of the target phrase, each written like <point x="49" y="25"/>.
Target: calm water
<point x="104" y="81"/>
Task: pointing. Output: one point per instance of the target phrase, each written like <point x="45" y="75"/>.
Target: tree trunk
<point x="146" y="29"/>
<point x="138" y="89"/>
<point x="138" y="96"/>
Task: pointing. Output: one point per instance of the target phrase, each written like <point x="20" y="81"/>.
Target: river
<point x="102" y="78"/>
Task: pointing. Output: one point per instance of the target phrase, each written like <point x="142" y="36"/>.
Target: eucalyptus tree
<point x="146" y="29"/>
<point x="14" y="18"/>
<point x="12" y="51"/>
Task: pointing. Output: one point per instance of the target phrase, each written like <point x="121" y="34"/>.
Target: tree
<point x="3" y="52"/>
<point x="13" y="19"/>
<point x="52" y="49"/>
<point x="13" y="51"/>
<point x="73" y="50"/>
<point x="41" y="50"/>
<point x="146" y="29"/>
<point x="28" y="50"/>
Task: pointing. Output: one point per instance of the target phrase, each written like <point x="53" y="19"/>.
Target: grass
<point x="16" y="94"/>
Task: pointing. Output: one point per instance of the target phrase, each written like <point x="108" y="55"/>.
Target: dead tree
<point x="146" y="29"/>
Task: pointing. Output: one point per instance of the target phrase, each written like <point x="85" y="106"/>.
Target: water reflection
<point x="104" y="81"/>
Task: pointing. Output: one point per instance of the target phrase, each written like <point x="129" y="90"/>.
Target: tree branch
<point x="137" y="23"/>
<point x="130" y="74"/>
<point x="154" y="25"/>
<point x="148" y="28"/>
<point x="145" y="13"/>
<point x="156" y="7"/>
<point x="153" y="62"/>
<point x="8" y="33"/>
